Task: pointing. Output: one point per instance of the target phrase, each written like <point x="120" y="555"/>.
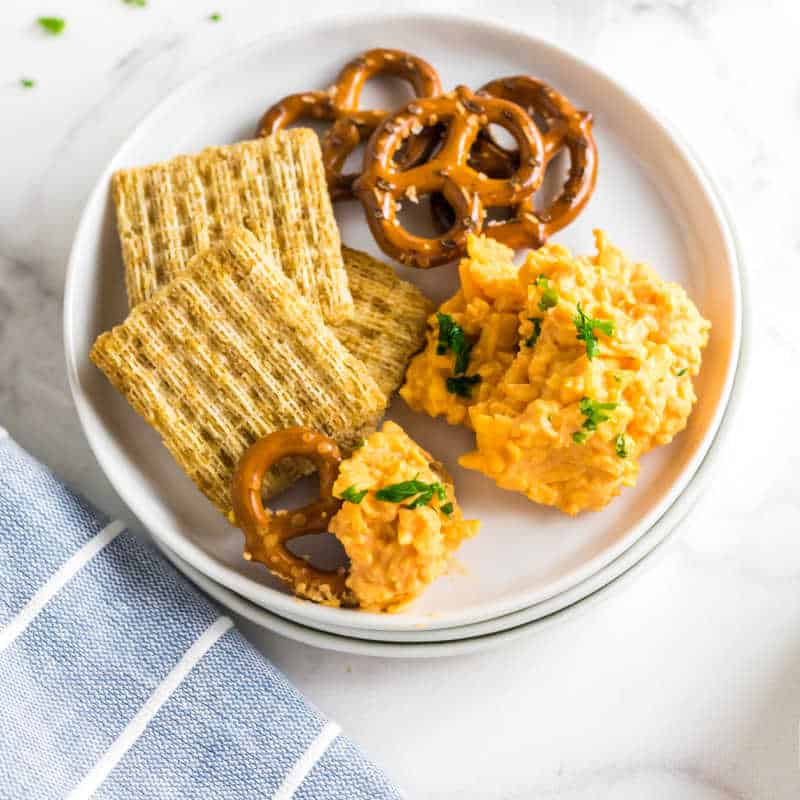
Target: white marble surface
<point x="685" y="683"/>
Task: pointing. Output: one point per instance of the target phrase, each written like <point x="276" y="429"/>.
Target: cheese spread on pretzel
<point x="604" y="355"/>
<point x="399" y="522"/>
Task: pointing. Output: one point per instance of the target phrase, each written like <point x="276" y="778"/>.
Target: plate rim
<point x="273" y="598"/>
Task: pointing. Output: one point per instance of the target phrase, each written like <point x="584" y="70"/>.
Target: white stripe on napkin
<point x="135" y="728"/>
<point x="57" y="581"/>
<point x="291" y="783"/>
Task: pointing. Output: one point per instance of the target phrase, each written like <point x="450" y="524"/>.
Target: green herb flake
<point x="215" y="17"/>
<point x="27" y="83"/>
<point x="52" y="25"/>
<point x="421" y="492"/>
<point x="462" y="385"/>
<point x="397" y="492"/>
<point x="452" y="337"/>
<point x="579" y="437"/>
<point x="594" y="412"/>
<point x="586" y="327"/>
<point x="446" y="509"/>
<point x="681" y="372"/>
<point x="549" y="298"/>
<point x="352" y="495"/>
<point x="137" y="3"/>
<point x="424" y="498"/>
<point x="620" y="445"/>
<point x="537" y="331"/>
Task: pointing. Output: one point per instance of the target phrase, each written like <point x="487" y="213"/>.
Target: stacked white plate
<point x="530" y="565"/>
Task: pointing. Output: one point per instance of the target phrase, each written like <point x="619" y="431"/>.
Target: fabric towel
<point x="121" y="680"/>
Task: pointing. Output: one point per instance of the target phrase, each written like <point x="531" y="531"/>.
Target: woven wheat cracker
<point x="228" y="352"/>
<point x="275" y="187"/>
<point x="389" y="320"/>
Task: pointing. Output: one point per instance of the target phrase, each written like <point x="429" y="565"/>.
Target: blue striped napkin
<point x="121" y="680"/>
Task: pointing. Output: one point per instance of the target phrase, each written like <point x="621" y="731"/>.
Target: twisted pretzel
<point x="467" y="190"/>
<point x="351" y="125"/>
<point x="266" y="534"/>
<point x="564" y="127"/>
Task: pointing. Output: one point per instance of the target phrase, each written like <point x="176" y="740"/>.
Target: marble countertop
<point x="684" y="683"/>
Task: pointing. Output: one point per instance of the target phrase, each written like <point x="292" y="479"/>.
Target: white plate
<point x="621" y="565"/>
<point x="435" y="645"/>
<point x="384" y="649"/>
<point x="586" y="590"/>
<point x="652" y="199"/>
<point x="482" y="636"/>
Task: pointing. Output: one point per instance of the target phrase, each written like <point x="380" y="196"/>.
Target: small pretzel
<point x="564" y="127"/>
<point x="383" y="183"/>
<point x="266" y="533"/>
<point x="339" y="105"/>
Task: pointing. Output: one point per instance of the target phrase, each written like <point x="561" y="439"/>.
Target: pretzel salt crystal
<point x="339" y="105"/>
<point x="468" y="191"/>
<point x="266" y="533"/>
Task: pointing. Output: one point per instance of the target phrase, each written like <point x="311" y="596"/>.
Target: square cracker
<point x="275" y="187"/>
<point x="389" y="323"/>
<point x="228" y="352"/>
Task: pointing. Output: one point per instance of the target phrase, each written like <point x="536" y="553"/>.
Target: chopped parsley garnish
<point x="137" y="3"/>
<point x="586" y="327"/>
<point x="352" y="495"/>
<point x="621" y="446"/>
<point x="537" y="332"/>
<point x="462" y="385"/>
<point x="425" y="497"/>
<point x="452" y="337"/>
<point x="681" y="372"/>
<point x="53" y="25"/>
<point x="421" y="492"/>
<point x="446" y="509"/>
<point x="594" y="412"/>
<point x="27" y="83"/>
<point x="215" y="17"/>
<point x="549" y="297"/>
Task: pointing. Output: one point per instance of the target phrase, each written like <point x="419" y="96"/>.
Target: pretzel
<point x="564" y="127"/>
<point x="266" y="533"/>
<point x="383" y="183"/>
<point x="339" y="104"/>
